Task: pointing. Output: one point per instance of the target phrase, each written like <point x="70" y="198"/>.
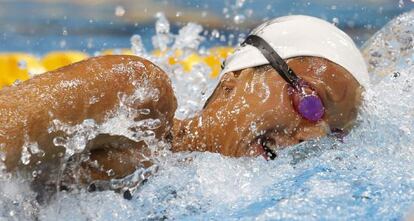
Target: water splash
<point x="392" y="49"/>
<point x="190" y="88"/>
<point x="137" y="47"/>
<point x="369" y="176"/>
<point x="189" y="37"/>
<point x="162" y="28"/>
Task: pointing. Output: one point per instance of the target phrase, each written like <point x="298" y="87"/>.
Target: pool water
<point x="369" y="176"/>
<point x="39" y="27"/>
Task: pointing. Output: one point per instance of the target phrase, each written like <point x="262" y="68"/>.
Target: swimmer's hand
<point x="114" y="157"/>
<point x="109" y="162"/>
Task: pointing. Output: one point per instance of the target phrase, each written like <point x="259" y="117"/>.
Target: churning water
<point x="368" y="176"/>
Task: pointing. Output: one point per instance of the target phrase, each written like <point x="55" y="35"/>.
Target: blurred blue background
<point x="39" y="26"/>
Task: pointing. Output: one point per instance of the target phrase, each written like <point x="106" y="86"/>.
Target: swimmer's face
<point x="252" y="108"/>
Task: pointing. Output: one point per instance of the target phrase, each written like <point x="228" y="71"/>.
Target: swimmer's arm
<point x="28" y="110"/>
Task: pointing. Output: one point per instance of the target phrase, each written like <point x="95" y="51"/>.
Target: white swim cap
<point x="300" y="35"/>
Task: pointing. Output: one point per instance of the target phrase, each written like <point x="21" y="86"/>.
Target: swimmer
<point x="295" y="78"/>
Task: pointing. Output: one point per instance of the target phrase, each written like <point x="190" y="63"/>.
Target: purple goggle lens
<point x="310" y="107"/>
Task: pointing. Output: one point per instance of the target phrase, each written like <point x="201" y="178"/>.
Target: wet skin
<point x="249" y="109"/>
<point x="90" y="89"/>
<point x="252" y="108"/>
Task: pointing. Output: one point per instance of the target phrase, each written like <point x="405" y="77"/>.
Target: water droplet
<point x="249" y="12"/>
<point x="396" y="74"/>
<point x="401" y="3"/>
<point x="241" y="38"/>
<point x="154" y="124"/>
<point x="189" y="37"/>
<point x="119" y="11"/>
<point x="110" y="172"/>
<point x="231" y="38"/>
<point x="239" y="19"/>
<point x="215" y="33"/>
<point x="25" y="157"/>
<point x="22" y="64"/>
<point x="137" y="46"/>
<point x="335" y="21"/>
<point x="62" y="43"/>
<point x="59" y="141"/>
<point x="162" y="29"/>
<point x="64" y="32"/>
<point x="240" y="3"/>
<point x="2" y="156"/>
<point x="89" y="43"/>
<point x="144" y="111"/>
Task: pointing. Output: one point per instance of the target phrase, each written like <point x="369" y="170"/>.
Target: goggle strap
<point x="274" y="59"/>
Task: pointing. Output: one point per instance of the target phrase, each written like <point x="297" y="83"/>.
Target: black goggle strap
<point x="274" y="59"/>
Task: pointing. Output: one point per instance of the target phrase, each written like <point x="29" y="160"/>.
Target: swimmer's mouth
<point x="265" y="146"/>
